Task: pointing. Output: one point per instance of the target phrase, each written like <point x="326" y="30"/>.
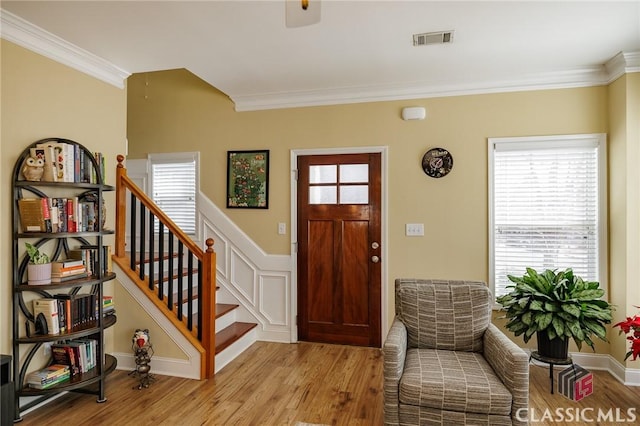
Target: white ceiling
<point x="359" y="51"/>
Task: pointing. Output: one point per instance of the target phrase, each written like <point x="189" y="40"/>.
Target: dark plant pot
<point x="555" y="348"/>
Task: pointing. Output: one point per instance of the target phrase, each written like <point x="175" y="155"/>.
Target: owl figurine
<point x="33" y="169"/>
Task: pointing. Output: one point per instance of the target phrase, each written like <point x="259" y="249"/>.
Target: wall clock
<point x="437" y="162"/>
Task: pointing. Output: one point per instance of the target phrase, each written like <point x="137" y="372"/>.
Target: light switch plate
<point x="414" y="229"/>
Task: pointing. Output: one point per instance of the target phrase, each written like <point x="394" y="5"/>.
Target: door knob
<point x="375" y="245"/>
<point x="375" y="259"/>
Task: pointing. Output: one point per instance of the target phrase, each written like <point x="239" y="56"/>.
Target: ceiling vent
<point x="441" y="37"/>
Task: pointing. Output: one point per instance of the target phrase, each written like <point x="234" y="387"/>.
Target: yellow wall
<point x="42" y="98"/>
<point x="624" y="203"/>
<point x="174" y="110"/>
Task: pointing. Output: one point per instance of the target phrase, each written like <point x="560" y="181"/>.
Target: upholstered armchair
<point x="445" y="363"/>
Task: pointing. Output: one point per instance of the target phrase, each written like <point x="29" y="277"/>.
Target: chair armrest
<point x="511" y="364"/>
<point x="394" y="352"/>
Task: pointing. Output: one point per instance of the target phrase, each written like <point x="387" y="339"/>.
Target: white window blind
<point x="174" y="184"/>
<point x="546" y="206"/>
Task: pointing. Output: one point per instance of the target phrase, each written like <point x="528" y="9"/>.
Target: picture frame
<point x="248" y="179"/>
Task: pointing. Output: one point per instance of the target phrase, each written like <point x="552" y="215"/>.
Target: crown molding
<point x="595" y="76"/>
<point x="25" y="34"/>
<point x="622" y="63"/>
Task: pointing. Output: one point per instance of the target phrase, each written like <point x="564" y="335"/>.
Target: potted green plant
<point x="39" y="267"/>
<point x="556" y="306"/>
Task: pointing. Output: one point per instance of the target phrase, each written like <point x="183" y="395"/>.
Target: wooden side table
<point x="551" y="361"/>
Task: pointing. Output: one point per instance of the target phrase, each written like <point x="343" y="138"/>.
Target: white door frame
<point x="295" y="153"/>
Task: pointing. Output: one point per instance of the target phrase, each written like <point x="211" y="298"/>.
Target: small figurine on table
<point x="143" y="351"/>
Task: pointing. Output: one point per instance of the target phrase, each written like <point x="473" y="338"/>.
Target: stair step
<point x="223" y="308"/>
<point x="225" y="337"/>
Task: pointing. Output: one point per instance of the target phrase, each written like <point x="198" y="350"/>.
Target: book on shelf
<point x="80" y="309"/>
<point x="35" y="215"/>
<point x="86" y="256"/>
<point x="59" y="214"/>
<point x="80" y="354"/>
<point x="62" y="315"/>
<point x="48" y="376"/>
<point x="50" y="383"/>
<point x="91" y="348"/>
<point x="108" y="307"/>
<point x="67" y="264"/>
<point x="64" y="272"/>
<point x="50" y="372"/>
<point x="63" y="354"/>
<point x="62" y="279"/>
<point x="107" y="252"/>
<point x="48" y="308"/>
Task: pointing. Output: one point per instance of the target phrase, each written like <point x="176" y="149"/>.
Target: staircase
<point x="177" y="276"/>
<point x="229" y="331"/>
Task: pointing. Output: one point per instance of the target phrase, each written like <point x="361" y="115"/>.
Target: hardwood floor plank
<point x="281" y="384"/>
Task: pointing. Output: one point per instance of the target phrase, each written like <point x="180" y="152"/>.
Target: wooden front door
<point x="339" y="269"/>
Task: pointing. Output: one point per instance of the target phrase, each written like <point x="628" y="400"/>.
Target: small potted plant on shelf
<point x="555" y="306"/>
<point x="631" y="327"/>
<point x="39" y="267"/>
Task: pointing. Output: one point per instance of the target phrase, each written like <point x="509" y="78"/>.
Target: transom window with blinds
<point x="174" y="181"/>
<point x="547" y="206"/>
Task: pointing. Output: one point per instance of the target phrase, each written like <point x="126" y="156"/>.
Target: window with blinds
<point x="547" y="206"/>
<point x="173" y="187"/>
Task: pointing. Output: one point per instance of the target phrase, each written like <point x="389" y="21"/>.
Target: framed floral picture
<point x="248" y="179"/>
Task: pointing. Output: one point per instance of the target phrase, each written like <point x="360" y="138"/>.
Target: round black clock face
<point x="437" y="162"/>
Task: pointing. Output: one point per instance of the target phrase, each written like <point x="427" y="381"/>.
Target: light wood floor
<point x="281" y="384"/>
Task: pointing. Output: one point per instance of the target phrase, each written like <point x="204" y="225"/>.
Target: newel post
<point x="121" y="207"/>
<point x="208" y="307"/>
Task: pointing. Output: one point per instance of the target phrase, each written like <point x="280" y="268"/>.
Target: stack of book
<point x="67" y="270"/>
<point x="49" y="376"/>
<point x="108" y="308"/>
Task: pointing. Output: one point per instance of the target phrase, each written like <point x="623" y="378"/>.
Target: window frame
<point x="175" y="158"/>
<point x="598" y="140"/>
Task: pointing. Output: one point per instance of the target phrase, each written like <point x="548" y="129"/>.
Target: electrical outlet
<point x="414" y="229"/>
<point x="282" y="228"/>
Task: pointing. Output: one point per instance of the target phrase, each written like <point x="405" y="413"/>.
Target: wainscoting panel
<point x="243" y="276"/>
<point x="274" y="301"/>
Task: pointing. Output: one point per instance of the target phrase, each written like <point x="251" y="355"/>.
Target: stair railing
<point x="154" y="236"/>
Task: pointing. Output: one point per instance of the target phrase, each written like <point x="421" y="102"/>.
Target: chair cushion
<point x="453" y="381"/>
<point x="450" y="315"/>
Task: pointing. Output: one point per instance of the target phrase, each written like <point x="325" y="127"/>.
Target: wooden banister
<point x="204" y="333"/>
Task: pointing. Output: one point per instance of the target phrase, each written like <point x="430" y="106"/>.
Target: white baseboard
<point x="159" y="365"/>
